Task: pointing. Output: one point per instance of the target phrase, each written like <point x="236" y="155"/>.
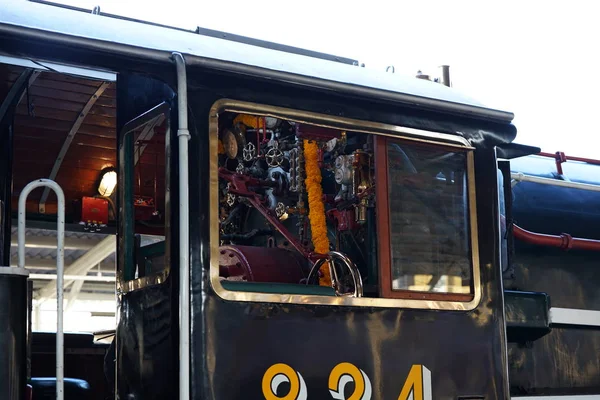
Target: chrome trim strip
<point x="139" y="283"/>
<point x="60" y="68"/>
<point x="332" y="121"/>
<point x="344" y="124"/>
<point x="573" y="316"/>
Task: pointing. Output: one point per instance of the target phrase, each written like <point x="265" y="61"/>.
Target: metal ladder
<point x="60" y="259"/>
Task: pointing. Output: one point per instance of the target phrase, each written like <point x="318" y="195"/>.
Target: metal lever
<point x="358" y="284"/>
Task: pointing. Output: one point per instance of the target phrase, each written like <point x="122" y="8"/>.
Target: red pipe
<point x="571" y="158"/>
<point x="564" y="241"/>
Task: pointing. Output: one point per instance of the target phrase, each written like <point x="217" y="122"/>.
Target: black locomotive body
<point x="327" y="232"/>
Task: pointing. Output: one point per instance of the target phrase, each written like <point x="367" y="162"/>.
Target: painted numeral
<point x="418" y="384"/>
<point x="276" y="375"/>
<point x="345" y="373"/>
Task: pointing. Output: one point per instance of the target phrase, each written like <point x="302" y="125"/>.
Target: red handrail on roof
<point x="564" y="241"/>
<point x="570" y="158"/>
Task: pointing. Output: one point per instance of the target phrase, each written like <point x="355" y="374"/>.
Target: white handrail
<point x="521" y="177"/>
<point x="573" y="316"/>
<point x="60" y="264"/>
<point x="184" y="231"/>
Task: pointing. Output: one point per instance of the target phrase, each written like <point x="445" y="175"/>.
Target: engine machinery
<point x="312" y="191"/>
<point x="264" y="199"/>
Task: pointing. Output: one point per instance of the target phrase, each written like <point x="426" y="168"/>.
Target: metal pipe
<point x="564" y="241"/>
<point x="446" y="75"/>
<point x="49" y="264"/>
<point x="183" y="135"/>
<point x="91" y="278"/>
<point x="60" y="264"/>
<point x="520" y="177"/>
<point x="49" y="242"/>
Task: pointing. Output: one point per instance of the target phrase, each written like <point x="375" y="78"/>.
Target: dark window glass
<point x="429" y="218"/>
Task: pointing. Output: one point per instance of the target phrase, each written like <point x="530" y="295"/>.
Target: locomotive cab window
<point x="145" y="198"/>
<point x="336" y="211"/>
<point x="423" y="208"/>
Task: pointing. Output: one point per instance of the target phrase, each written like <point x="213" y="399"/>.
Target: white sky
<point x="534" y="58"/>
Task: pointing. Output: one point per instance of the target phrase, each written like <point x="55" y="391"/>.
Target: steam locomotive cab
<point x="288" y="225"/>
<point x="341" y="246"/>
<point x="308" y="209"/>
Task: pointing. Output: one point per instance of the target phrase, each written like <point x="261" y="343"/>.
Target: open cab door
<point x="146" y="335"/>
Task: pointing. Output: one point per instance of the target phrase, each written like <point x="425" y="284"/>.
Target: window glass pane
<point x="145" y="196"/>
<point x="502" y="210"/>
<point x="148" y="198"/>
<point x="429" y="218"/>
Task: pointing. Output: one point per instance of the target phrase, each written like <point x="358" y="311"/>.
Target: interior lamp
<point x="108" y="182"/>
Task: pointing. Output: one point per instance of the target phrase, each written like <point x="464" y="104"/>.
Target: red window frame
<point x="384" y="234"/>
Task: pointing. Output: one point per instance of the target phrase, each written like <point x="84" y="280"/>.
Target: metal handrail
<point x="60" y="264"/>
<point x="521" y="177"/>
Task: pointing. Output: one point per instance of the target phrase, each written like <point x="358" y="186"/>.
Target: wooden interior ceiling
<point x="44" y="117"/>
<point x="56" y="107"/>
<point x="46" y="113"/>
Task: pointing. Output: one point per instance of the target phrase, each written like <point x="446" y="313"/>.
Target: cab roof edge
<point x="35" y="20"/>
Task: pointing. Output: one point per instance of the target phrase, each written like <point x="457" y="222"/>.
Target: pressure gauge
<point x="232" y="143"/>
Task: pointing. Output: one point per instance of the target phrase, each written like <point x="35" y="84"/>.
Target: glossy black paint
<point x="234" y="343"/>
<point x="527" y="315"/>
<point x="554" y="210"/>
<point x="565" y="361"/>
<point x="481" y="133"/>
<point x="515" y="150"/>
<point x="13" y="336"/>
<point x="6" y="145"/>
<point x="147" y="334"/>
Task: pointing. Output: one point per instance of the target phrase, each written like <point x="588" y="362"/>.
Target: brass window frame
<point x="342" y="123"/>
